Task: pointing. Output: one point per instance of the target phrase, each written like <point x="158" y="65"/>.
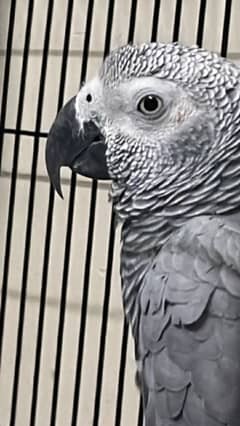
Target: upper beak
<point x="82" y="149"/>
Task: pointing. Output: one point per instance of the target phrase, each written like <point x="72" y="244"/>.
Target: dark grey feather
<point x="189" y="337"/>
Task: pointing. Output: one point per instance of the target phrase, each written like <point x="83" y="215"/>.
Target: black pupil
<point x="89" y="97"/>
<point x="150" y="103"/>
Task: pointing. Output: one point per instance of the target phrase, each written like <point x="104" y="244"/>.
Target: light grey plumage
<point x="176" y="189"/>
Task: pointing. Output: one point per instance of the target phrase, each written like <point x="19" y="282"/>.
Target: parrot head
<point x="159" y="116"/>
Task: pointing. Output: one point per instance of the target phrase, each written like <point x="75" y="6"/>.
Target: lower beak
<point x="82" y="148"/>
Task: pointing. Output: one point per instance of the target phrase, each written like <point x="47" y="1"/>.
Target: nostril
<point x="89" y="97"/>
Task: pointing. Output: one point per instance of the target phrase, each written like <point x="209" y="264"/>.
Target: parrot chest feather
<point x="188" y="334"/>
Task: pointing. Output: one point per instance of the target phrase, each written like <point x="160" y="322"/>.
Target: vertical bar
<point x="121" y="377"/>
<point x="67" y="249"/>
<point x="87" y="40"/>
<point x="226" y="27"/>
<point x="140" y="414"/>
<point x="83" y="317"/>
<point x="104" y="323"/>
<point x="107" y="292"/>
<point x="42" y="306"/>
<point x="124" y="344"/>
<point x="2" y="124"/>
<point x="61" y="321"/>
<point x="132" y="21"/>
<point x="177" y="20"/>
<point x="156" y="12"/>
<point x="91" y="223"/>
<point x="33" y="179"/>
<point x="201" y="20"/>
<point x="11" y="210"/>
<point x="6" y="84"/>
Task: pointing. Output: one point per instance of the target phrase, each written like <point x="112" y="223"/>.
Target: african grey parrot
<point x="162" y="121"/>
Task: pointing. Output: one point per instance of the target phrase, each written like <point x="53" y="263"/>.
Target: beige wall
<point x="212" y="40"/>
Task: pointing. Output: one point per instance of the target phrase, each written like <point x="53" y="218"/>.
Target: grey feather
<point x="198" y="352"/>
<point x="184" y="301"/>
<point x="175" y="173"/>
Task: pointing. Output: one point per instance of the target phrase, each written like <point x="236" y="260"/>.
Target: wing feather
<point x="189" y="327"/>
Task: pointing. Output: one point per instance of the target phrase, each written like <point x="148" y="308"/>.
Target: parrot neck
<point x="150" y="216"/>
<point x="141" y="241"/>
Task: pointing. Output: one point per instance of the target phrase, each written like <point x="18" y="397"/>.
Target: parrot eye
<point x="150" y="105"/>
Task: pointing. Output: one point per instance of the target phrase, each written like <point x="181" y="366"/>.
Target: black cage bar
<point x="119" y="19"/>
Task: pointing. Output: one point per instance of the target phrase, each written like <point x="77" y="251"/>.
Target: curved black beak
<point x="80" y="148"/>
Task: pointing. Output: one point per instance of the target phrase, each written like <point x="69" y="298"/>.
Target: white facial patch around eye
<point x="125" y="98"/>
<point x="121" y="107"/>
